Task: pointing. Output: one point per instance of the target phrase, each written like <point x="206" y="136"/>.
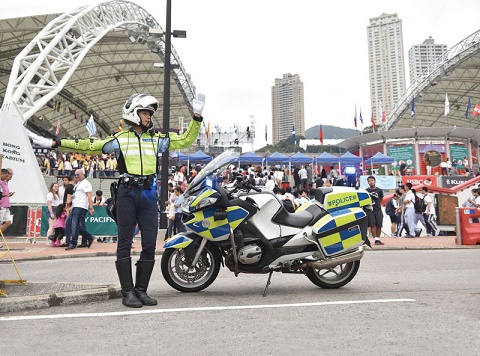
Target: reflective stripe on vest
<point x="140" y="155"/>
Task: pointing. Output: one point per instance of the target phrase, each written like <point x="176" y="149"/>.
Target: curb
<point x="43" y="301"/>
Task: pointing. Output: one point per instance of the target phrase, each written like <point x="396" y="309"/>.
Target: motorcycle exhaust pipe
<point x="333" y="261"/>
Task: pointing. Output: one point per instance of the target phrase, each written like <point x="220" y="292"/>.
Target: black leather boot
<point x="124" y="270"/>
<point x="144" y="271"/>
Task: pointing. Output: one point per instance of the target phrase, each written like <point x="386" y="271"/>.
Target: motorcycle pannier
<point x="333" y="200"/>
<point x="341" y="230"/>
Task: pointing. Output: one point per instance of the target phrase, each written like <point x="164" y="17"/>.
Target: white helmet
<point x="138" y="102"/>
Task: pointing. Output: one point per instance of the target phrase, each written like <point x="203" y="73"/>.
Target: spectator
<point x="319" y="182"/>
<point x="309" y="174"/>
<point x="177" y="203"/>
<point x="99" y="199"/>
<point x="409" y="207"/>
<point x="392" y="213"/>
<point x="430" y="215"/>
<point x="59" y="225"/>
<point x="428" y="165"/>
<point x="81" y="204"/>
<point x="270" y="183"/>
<point x="5" y="217"/>
<point x="53" y="200"/>
<point x="375" y="217"/>
<point x="302" y="174"/>
<point x="333" y="175"/>
<point x="170" y="212"/>
<point x="473" y="200"/>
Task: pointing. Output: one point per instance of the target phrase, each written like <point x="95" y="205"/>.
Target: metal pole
<point x="458" y="226"/>
<point x="166" y="114"/>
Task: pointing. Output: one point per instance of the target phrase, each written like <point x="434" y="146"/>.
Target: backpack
<point x="288" y="205"/>
<point x="419" y="205"/>
<point x="389" y="208"/>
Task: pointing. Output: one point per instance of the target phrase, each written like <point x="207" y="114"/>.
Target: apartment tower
<point x="422" y="56"/>
<point x="287" y="107"/>
<point x="386" y="63"/>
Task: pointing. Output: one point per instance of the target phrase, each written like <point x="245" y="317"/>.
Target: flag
<point x="373" y="123"/>
<point x="361" y="118"/>
<point x="92" y="129"/>
<point x="293" y="134"/>
<point x="207" y="133"/>
<point x="447" y="105"/>
<point x="57" y="130"/>
<point x="355" y="117"/>
<point x="476" y="110"/>
<point x="320" y="136"/>
<point x="469" y="105"/>
<point x="265" y="132"/>
<point x="381" y="111"/>
<point x="413" y="106"/>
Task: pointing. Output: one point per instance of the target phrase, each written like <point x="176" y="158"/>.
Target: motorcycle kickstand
<point x="268" y="282"/>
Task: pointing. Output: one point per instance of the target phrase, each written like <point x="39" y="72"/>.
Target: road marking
<point x="182" y="310"/>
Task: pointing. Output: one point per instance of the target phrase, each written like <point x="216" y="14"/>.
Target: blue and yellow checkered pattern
<point x="341" y="200"/>
<point x="343" y="239"/>
<point x="203" y="223"/>
<point x="178" y="241"/>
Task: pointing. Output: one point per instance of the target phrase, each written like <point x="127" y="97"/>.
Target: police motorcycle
<point x="247" y="229"/>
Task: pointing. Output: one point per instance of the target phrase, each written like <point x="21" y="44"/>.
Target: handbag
<point x="171" y="212"/>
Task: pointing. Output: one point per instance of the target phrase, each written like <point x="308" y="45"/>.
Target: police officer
<point x="137" y="151"/>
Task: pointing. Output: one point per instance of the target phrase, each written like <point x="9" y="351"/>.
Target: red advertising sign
<point x="429" y="181"/>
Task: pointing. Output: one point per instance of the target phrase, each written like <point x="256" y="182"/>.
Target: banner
<point x="98" y="224"/>
<point x="429" y="181"/>
<point x="402" y="154"/>
<point x="382" y="182"/>
<point x="19" y="221"/>
<point x="459" y="153"/>
<point x="453" y="181"/>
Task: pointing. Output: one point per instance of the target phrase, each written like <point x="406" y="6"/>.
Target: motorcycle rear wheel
<point x="334" y="277"/>
<point x="183" y="279"/>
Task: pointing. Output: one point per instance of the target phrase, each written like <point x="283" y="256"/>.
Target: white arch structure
<point x="99" y="81"/>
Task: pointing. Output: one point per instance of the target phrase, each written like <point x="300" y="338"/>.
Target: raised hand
<point x="198" y="104"/>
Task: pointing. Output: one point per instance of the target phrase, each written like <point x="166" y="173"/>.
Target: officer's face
<point x="145" y="117"/>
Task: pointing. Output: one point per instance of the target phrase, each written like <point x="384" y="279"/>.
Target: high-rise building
<point x="287" y="107"/>
<point x="386" y="63"/>
<point x="422" y="56"/>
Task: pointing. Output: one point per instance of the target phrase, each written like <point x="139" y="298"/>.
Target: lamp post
<point x="166" y="109"/>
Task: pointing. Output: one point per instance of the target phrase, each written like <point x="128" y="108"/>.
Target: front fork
<point x="203" y="243"/>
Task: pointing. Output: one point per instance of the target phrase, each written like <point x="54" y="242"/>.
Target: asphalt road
<point x="422" y="302"/>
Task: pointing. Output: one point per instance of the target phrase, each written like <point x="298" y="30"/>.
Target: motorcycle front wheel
<point x="194" y="279"/>
<point x="334" y="277"/>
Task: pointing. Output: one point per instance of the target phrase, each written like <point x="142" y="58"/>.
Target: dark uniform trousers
<point x="137" y="204"/>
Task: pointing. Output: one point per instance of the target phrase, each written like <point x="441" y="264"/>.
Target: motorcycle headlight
<point x="186" y="203"/>
<point x="205" y="202"/>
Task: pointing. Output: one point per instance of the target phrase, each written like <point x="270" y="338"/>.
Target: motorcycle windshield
<point x="214" y="167"/>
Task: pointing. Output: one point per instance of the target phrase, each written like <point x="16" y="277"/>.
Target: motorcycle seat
<point x="299" y="219"/>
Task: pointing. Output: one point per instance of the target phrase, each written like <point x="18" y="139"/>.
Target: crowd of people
<point x="63" y="163"/>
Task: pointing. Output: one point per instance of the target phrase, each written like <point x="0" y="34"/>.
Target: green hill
<point x="330" y="132"/>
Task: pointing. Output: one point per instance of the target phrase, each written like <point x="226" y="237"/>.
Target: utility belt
<point x="137" y="181"/>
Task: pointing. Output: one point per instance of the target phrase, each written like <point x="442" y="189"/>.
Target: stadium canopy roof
<point x="455" y="73"/>
<point x="89" y="61"/>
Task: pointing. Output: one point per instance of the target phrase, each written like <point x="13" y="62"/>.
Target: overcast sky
<point x="235" y="49"/>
